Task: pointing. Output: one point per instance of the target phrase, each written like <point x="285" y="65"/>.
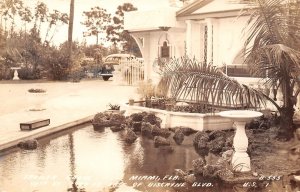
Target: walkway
<point x="66" y="104"/>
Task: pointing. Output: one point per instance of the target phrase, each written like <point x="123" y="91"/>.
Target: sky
<point x="86" y="5"/>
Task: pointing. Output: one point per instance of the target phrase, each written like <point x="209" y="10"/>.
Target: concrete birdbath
<point x="240" y="159"/>
<point x="16" y="75"/>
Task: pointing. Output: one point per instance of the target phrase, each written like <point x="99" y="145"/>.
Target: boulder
<point x="200" y="143"/>
<point x="216" y="134"/>
<point x="152" y="119"/>
<point x="136" y="126"/>
<point x="117" y="119"/>
<point x="137" y="117"/>
<point x="102" y="119"/>
<point x="178" y="137"/>
<point x="210" y="171"/>
<point x="128" y="121"/>
<point x="190" y="178"/>
<point x="198" y="165"/>
<point x="156" y="131"/>
<point x="28" y="144"/>
<point x="146" y="130"/>
<point x="108" y="119"/>
<point x="216" y="146"/>
<point x="180" y="173"/>
<point x="294" y="152"/>
<point x="130" y="136"/>
<point x="200" y="136"/>
<point x="161" y="141"/>
<point x="117" y="128"/>
<point x="225" y="174"/>
<point x="185" y="130"/>
<point x="227" y="155"/>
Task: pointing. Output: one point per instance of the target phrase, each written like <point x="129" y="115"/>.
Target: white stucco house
<point x="212" y="31"/>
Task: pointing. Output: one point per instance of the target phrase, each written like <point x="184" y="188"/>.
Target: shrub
<point x="197" y="108"/>
<point x="76" y="75"/>
<point x="6" y="73"/>
<point x="58" y="65"/>
<point x="36" y="90"/>
<point x="29" y="74"/>
<point x="114" y="107"/>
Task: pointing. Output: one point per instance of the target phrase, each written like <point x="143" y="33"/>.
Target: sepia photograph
<point x="149" y="96"/>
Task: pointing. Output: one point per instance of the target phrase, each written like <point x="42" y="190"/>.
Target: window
<point x="238" y="68"/>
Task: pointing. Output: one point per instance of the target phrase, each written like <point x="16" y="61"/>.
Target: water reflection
<point x="72" y="158"/>
<point x="89" y="160"/>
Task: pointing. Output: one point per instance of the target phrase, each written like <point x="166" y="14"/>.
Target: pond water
<point x="97" y="159"/>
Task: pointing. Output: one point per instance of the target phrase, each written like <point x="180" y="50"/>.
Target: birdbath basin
<point x="240" y="159"/>
<point x="241" y="115"/>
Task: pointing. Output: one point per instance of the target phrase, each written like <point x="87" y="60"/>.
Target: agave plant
<point x="273" y="44"/>
<point x="191" y="81"/>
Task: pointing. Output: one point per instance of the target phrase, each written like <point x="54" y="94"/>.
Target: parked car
<point x="110" y="61"/>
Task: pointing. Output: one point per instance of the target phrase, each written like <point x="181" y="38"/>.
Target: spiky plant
<point x="189" y="80"/>
<point x="274" y="49"/>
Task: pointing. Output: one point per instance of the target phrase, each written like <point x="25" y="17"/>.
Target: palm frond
<point x="273" y="43"/>
<point x="189" y="80"/>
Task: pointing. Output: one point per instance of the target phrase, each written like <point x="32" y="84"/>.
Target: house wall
<point x="150" y="48"/>
<point x="226" y="41"/>
<point x="229" y="39"/>
<point x="193" y="39"/>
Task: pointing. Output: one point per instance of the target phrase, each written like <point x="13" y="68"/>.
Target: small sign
<point x="165" y="50"/>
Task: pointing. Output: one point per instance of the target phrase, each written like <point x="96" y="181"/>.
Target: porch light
<point x="164" y="28"/>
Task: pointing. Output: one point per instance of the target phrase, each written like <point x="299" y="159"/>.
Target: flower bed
<point x="36" y="90"/>
<point x="197" y="121"/>
<point x="37" y="98"/>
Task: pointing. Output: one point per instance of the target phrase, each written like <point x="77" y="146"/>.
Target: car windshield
<point x="117" y="57"/>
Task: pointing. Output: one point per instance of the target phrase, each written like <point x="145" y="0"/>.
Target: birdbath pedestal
<point x="240" y="159"/>
<point x="16" y="75"/>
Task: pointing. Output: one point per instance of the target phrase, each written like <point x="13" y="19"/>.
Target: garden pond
<point x="97" y="159"/>
<point x="86" y="159"/>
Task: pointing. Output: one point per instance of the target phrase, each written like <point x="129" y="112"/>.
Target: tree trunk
<point x="70" y="31"/>
<point x="97" y="36"/>
<point x="287" y="128"/>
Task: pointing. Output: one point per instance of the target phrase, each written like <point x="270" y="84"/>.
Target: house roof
<point x="190" y="8"/>
<point x="200" y="9"/>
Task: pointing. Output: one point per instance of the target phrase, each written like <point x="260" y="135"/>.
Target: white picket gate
<point x="131" y="71"/>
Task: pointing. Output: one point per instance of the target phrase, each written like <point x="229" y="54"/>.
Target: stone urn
<point x="37" y="98"/>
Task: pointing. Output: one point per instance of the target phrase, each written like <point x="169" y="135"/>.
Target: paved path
<point x="66" y="104"/>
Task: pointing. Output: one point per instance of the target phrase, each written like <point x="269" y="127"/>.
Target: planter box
<point x="115" y="111"/>
<point x="37" y="100"/>
<point x="197" y="121"/>
<point x="34" y="124"/>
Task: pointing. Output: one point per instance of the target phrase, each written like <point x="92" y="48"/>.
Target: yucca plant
<point x="273" y="48"/>
<point x="188" y="80"/>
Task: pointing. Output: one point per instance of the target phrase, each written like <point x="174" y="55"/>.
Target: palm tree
<point x="188" y="80"/>
<point x="70" y="31"/>
<point x="274" y="49"/>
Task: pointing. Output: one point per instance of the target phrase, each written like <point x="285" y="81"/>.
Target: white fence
<point x="130" y="71"/>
